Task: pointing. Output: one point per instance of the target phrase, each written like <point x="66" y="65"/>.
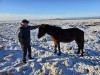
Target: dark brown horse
<point x="63" y="35"/>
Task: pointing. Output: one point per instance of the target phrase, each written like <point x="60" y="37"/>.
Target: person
<point x="24" y="38"/>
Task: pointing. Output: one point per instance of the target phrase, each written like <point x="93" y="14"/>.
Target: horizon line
<point x="39" y="17"/>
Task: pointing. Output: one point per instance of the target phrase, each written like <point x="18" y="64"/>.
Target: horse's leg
<point x="78" y="46"/>
<point x="55" y="48"/>
<point x="59" y="49"/>
<point x="82" y="46"/>
<point x="82" y="43"/>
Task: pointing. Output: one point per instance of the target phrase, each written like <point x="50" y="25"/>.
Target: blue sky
<point x="49" y="8"/>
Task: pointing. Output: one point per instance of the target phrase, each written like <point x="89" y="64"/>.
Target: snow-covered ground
<point x="46" y="62"/>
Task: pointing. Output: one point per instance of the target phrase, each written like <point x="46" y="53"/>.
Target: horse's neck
<point x="52" y="32"/>
<point x="49" y="31"/>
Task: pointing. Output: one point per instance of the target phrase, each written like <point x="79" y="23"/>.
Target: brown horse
<point x="63" y="35"/>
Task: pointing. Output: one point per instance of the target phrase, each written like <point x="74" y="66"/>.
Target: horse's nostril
<point x="38" y="36"/>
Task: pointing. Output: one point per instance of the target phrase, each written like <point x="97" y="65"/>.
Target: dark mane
<point x="54" y="27"/>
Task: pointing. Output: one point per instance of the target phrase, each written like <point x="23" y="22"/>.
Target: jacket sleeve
<point x="34" y="27"/>
<point x="20" y="36"/>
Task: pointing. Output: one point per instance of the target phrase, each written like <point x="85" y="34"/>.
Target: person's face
<point x="24" y="24"/>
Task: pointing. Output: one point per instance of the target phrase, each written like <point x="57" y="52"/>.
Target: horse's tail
<point x="83" y="40"/>
<point x="80" y="39"/>
<point x="82" y="44"/>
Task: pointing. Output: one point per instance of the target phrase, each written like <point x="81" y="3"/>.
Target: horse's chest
<point x="53" y="38"/>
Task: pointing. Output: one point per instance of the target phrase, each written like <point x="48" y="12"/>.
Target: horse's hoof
<point x="78" y="52"/>
<point x="59" y="54"/>
<point x="55" y="51"/>
<point x="81" y="55"/>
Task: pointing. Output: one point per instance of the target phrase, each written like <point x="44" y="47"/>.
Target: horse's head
<point x="42" y="30"/>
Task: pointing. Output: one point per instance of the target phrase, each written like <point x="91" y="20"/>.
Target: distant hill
<point x="77" y="18"/>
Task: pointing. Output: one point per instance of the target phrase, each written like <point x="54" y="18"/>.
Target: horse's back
<point x="72" y="31"/>
<point x="76" y="33"/>
<point x="71" y="34"/>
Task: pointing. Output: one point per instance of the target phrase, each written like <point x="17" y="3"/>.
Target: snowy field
<point x="46" y="62"/>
